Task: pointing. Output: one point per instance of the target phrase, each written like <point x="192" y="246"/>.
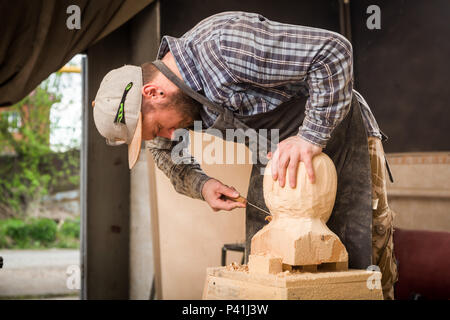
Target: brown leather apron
<point x="351" y="218"/>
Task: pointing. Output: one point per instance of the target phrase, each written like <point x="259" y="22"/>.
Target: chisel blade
<point x="243" y="200"/>
<point x="260" y="209"/>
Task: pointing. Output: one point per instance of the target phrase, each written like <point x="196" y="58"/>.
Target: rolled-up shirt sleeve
<point x="186" y="176"/>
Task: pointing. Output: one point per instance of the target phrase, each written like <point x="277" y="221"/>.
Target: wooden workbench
<point x="224" y="283"/>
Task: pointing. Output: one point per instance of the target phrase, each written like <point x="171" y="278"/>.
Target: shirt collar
<point x="185" y="64"/>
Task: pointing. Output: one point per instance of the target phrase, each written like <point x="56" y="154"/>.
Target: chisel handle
<point x="238" y="199"/>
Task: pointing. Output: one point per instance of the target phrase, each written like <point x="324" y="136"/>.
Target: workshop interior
<point x="137" y="238"/>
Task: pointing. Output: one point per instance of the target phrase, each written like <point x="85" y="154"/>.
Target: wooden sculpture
<point x="297" y="235"/>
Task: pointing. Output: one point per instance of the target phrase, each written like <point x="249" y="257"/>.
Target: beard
<point x="188" y="108"/>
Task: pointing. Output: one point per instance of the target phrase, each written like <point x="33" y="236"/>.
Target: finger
<point x="234" y="204"/>
<point x="269" y="155"/>
<point x="228" y="205"/>
<point x="282" y="167"/>
<point x="275" y="165"/>
<point x="216" y="204"/>
<point x="240" y="200"/>
<point x="229" y="192"/>
<point x="307" y="159"/>
<point x="293" y="167"/>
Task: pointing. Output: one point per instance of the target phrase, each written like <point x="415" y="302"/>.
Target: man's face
<point x="164" y="113"/>
<point x="161" y="122"/>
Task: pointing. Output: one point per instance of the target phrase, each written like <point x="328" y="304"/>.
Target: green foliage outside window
<point x="29" y="168"/>
<point x="38" y="233"/>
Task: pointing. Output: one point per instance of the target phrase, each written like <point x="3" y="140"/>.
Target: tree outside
<point x="38" y="173"/>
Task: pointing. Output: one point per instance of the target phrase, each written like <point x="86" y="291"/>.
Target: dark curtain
<point x="35" y="40"/>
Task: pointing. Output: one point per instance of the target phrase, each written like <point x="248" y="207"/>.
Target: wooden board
<point x="225" y="284"/>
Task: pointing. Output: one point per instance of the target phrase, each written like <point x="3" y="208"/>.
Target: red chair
<point x="423" y="259"/>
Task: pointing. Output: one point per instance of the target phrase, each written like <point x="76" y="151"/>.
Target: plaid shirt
<point x="250" y="65"/>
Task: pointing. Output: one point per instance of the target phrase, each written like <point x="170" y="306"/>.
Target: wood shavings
<point x="237" y="267"/>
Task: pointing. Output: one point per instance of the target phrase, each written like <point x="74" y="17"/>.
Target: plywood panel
<point x="191" y="234"/>
<point x="420" y="194"/>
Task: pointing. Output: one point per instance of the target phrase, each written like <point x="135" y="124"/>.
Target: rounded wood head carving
<point x="298" y="233"/>
<point x="306" y="199"/>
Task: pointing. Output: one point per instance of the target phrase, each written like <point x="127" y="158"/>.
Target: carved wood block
<point x="298" y="233"/>
<point x="264" y="264"/>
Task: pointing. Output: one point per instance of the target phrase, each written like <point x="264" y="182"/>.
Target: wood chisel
<point x="243" y="200"/>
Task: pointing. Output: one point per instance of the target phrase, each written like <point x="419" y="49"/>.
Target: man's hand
<point x="288" y="155"/>
<point x="213" y="192"/>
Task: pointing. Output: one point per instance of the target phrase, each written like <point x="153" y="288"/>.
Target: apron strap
<point x="227" y="114"/>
